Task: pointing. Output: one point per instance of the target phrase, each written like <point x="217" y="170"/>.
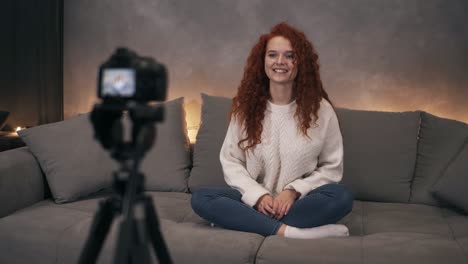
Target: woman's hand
<point x="283" y="202"/>
<point x="265" y="205"/>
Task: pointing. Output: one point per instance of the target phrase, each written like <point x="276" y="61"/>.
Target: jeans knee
<point x="345" y="198"/>
<point x="197" y="200"/>
<point x="341" y="197"/>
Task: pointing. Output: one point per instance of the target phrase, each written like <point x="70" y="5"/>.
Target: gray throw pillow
<point x="167" y="164"/>
<point x="452" y="186"/>
<point x="207" y="170"/>
<point x="379" y="153"/>
<point x="76" y="165"/>
<point x="440" y="140"/>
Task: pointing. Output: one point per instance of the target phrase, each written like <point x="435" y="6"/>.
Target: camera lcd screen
<point x="118" y="82"/>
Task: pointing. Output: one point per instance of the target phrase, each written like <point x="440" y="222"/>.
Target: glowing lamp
<point x="192" y="117"/>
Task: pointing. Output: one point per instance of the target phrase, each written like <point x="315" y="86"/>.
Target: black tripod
<point x="140" y="221"/>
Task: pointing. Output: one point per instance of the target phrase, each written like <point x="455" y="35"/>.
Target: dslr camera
<point x="126" y="76"/>
<point x="126" y="83"/>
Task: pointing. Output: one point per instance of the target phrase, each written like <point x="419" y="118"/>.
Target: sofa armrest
<point x="21" y="180"/>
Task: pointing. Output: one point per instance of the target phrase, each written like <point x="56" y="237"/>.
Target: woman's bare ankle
<point x="281" y="230"/>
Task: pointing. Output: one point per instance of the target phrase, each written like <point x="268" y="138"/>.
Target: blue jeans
<point x="223" y="206"/>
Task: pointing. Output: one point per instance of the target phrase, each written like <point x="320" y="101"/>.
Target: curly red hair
<point x="250" y="103"/>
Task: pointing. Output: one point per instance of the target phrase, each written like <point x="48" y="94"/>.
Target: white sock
<point x="332" y="230"/>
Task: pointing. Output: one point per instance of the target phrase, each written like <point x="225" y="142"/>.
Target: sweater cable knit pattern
<point x="285" y="159"/>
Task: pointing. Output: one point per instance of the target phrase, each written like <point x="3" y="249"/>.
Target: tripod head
<point x="107" y="122"/>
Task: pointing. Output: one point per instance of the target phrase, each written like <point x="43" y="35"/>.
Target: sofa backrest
<point x="440" y="142"/>
<point x="380" y="150"/>
<point x="383" y="159"/>
<point x="21" y="180"/>
<point x="379" y="153"/>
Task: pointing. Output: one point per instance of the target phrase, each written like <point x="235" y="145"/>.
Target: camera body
<point x="125" y="76"/>
<point x="126" y="83"/>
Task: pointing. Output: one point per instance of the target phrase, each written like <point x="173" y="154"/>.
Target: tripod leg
<point x="125" y="241"/>
<point x="99" y="229"/>
<point x="141" y="250"/>
<point x="132" y="246"/>
<point x="152" y="225"/>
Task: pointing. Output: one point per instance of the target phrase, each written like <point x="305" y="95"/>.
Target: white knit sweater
<point x="285" y="159"/>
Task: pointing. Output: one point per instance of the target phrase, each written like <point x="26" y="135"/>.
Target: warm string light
<point x="192" y="117"/>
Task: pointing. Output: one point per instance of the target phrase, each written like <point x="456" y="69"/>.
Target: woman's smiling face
<point x="280" y="63"/>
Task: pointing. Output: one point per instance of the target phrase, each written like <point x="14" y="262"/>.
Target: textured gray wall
<point x="389" y="55"/>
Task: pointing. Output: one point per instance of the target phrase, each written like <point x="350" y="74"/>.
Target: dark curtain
<point x="31" y="87"/>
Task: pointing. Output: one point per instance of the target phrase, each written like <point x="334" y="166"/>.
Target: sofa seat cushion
<point x="392" y="247"/>
<point x="411" y="218"/>
<point x="32" y="235"/>
<point x="463" y="243"/>
<point x="280" y="250"/>
<point x="369" y="218"/>
<point x="457" y="221"/>
<point x="195" y="243"/>
<point x="55" y="233"/>
<point x="409" y="248"/>
<point x="186" y="242"/>
<point x="353" y="220"/>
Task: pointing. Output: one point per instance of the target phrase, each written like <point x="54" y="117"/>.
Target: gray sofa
<point x="408" y="171"/>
